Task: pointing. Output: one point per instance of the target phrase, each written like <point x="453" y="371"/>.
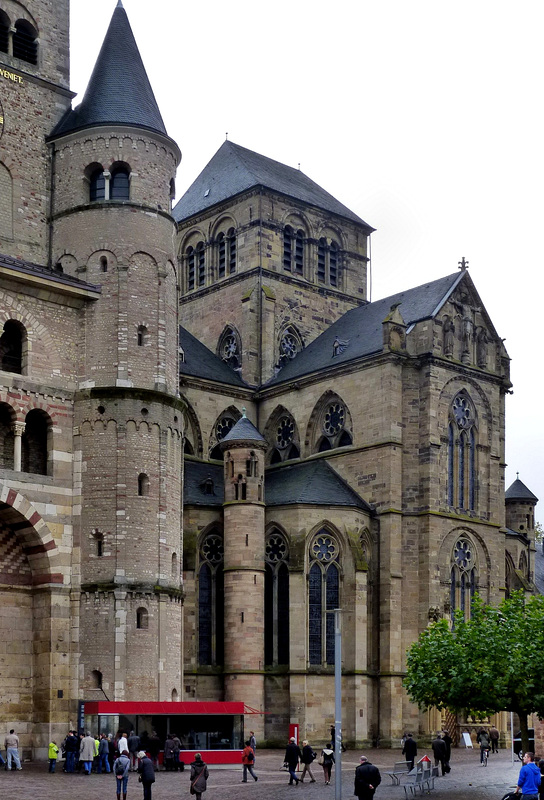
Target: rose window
<point x="285" y="432"/>
<point x="289" y="346"/>
<point x="276" y="548"/>
<point x="462" y="554"/>
<point x="462" y="412"/>
<point x="212" y="548"/>
<point x="223" y="427"/>
<point x="229" y="350"/>
<point x="335" y="418"/>
<point x="324" y="548"/>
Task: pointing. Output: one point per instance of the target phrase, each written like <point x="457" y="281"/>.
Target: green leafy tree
<point x="492" y="662"/>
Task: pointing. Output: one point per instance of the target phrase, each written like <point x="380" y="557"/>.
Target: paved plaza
<point x="466" y="780"/>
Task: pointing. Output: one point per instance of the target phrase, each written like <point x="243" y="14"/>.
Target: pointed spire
<point x="119" y="92"/>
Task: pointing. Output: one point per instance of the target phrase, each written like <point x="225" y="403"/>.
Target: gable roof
<point x="119" y="92"/>
<point x="310" y="482"/>
<point x="518" y="491"/>
<point x="234" y="169"/>
<point x="361" y="327"/>
<point x="202" y="363"/>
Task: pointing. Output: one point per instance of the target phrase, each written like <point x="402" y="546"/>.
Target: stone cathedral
<point x="209" y="437"/>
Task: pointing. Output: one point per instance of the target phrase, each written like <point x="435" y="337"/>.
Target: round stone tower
<point x="244" y="566"/>
<point x="114" y="168"/>
<point x="520" y="508"/>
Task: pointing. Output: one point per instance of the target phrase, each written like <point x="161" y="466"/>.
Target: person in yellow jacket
<point x="53" y="755"/>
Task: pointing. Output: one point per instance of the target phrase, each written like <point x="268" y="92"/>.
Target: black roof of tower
<point x="518" y="491"/>
<point x="119" y="92"/>
<point x="234" y="169"/>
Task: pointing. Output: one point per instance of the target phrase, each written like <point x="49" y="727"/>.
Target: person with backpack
<point x="308" y="756"/>
<point x="121" y="767"/>
<point x="248" y="759"/>
<point x="199" y="776"/>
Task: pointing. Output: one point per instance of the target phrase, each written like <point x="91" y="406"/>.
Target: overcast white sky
<point x="423" y="117"/>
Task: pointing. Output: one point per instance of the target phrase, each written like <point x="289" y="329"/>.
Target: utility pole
<point x="338" y="703"/>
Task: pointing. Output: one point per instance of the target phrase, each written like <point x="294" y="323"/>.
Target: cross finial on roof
<point x="119" y="4"/>
<point x="244" y="412"/>
<point x="226" y="136"/>
<point x="463" y="264"/>
<point x="517" y="476"/>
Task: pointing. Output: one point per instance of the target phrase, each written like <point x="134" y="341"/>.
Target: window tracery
<point x="323" y="597"/>
<point x="334" y="425"/>
<point x="229" y="348"/>
<point x="210" y="601"/>
<point x="223" y="425"/>
<point x="282" y="435"/>
<point x="463" y="576"/>
<point x="289" y="346"/>
<point x="276" y="599"/>
<point x="462" y="442"/>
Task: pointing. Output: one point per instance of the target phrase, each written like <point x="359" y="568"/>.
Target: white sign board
<point x="467" y="740"/>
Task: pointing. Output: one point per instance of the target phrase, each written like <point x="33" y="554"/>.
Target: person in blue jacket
<point x="529" y="778"/>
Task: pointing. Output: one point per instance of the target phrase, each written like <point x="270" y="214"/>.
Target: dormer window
<point x="25" y="44"/>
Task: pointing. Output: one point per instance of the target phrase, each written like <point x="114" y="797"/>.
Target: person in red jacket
<point x="248" y="757"/>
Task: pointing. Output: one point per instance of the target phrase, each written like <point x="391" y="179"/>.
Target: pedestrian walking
<point x="439" y="750"/>
<point x="121" y="768"/>
<point x="199" y="776"/>
<point x="248" y="759"/>
<point x="147" y="774"/>
<point x="529" y="778"/>
<point x="308" y="757"/>
<point x="71" y="746"/>
<point x="494" y="737"/>
<point x="483" y="739"/>
<point x="409" y="750"/>
<point x="326" y="760"/>
<point x="367" y="779"/>
<point x="53" y="755"/>
<point x="253" y="744"/>
<point x="446" y="738"/>
<point x="292" y="757"/>
<point x="11" y="743"/>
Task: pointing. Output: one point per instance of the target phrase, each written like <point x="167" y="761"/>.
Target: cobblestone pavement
<point x="466" y="780"/>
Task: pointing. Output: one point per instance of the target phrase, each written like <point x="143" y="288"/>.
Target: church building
<point x="209" y="437"/>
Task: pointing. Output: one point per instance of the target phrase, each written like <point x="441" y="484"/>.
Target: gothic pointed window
<point x="223" y="425"/>
<point x="210" y="601"/>
<point x="290" y="344"/>
<point x="461" y="457"/>
<point x="323" y="597"/>
<point x="463" y="576"/>
<point x="334" y="428"/>
<point x="229" y="348"/>
<point x="276" y="600"/>
<point x="282" y="434"/>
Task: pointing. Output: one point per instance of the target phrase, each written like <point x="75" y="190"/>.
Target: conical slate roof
<point x="518" y="491"/>
<point x="119" y="92"/>
<point x="234" y="169"/>
<point x="244" y="431"/>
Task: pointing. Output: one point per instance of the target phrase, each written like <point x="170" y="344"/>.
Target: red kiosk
<point x="216" y="730"/>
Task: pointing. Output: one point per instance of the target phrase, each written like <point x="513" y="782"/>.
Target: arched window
<point x="290" y="344"/>
<point x="224" y="424"/>
<point x="142" y="337"/>
<point x="282" y="434"/>
<point x="323" y="597"/>
<point x="7" y="418"/>
<point x="35" y="442"/>
<point x="229" y="348"/>
<point x="175" y="569"/>
<point x="174" y="696"/>
<point x="13" y="344"/>
<point x="333" y="427"/>
<point x="293" y="250"/>
<point x="96" y="679"/>
<point x="190" y="257"/>
<point x="97" y="185"/>
<point x="103" y="264"/>
<point x="4" y="32"/>
<point x="222" y="255"/>
<point x="210" y="601"/>
<point x="99" y="543"/>
<point x="120" y="184"/>
<point x="143" y="485"/>
<point x="328" y="260"/>
<point x="231" y="250"/>
<point x="201" y="263"/>
<point x="462" y="443"/>
<point x="25" y="45"/>
<point x="142" y="619"/>
<point x="463" y="576"/>
<point x="276" y="600"/>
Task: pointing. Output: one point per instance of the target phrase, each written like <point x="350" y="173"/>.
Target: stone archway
<point x="35" y="627"/>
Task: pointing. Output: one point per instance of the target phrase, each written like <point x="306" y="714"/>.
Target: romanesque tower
<point x="244" y="566"/>
<point x="114" y="168"/>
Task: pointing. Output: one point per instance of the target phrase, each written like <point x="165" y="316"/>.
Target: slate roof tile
<point x="202" y="363"/>
<point x="312" y="483"/>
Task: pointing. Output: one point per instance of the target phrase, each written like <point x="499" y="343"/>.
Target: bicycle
<point x="485" y="756"/>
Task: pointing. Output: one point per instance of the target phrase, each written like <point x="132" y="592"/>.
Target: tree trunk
<point x="525" y="746"/>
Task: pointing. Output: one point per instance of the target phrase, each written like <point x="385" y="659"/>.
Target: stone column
<point x="18" y="430"/>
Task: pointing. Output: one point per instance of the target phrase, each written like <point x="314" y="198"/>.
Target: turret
<point x="244" y="566"/>
<point x="520" y="508"/>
